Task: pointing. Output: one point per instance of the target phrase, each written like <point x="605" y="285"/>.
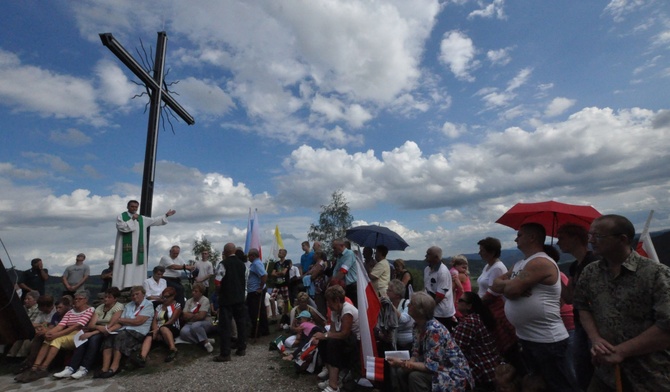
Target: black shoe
<point x="220" y="358"/>
<point x="241" y="353"/>
<point x="108" y="374"/>
<point x="138" y="361"/>
<point x="171" y="356"/>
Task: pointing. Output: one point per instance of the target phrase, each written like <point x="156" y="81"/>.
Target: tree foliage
<point x="334" y="221"/>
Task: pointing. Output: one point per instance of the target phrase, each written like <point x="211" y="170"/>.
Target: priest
<point x="130" y="255"/>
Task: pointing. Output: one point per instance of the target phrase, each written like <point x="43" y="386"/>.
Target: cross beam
<point x="158" y="94"/>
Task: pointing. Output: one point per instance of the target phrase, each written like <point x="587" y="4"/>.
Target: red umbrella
<point x="550" y="214"/>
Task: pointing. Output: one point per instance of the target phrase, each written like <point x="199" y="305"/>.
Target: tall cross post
<point x="158" y="95"/>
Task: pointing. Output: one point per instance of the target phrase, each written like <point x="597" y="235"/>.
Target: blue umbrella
<point x="372" y="236"/>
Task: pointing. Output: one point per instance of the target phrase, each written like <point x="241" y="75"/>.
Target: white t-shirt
<point x="204" y="268"/>
<point x="166" y="261"/>
<point x="439" y="282"/>
<point x="336" y="319"/>
<point x="489" y="274"/>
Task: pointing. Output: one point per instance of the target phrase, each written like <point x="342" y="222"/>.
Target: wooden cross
<point x="158" y="95"/>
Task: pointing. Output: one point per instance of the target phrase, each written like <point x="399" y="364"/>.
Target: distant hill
<point x="54" y="286"/>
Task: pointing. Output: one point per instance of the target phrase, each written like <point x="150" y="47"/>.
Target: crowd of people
<point x="604" y="326"/>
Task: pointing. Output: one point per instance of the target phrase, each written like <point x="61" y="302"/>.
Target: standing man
<point x="76" y="275"/>
<point x="106" y="276"/>
<point x="34" y="278"/>
<point x="624" y="306"/>
<point x="256" y="295"/>
<point x="380" y="275"/>
<point x="205" y="270"/>
<point x="437" y="282"/>
<point x="345" y="269"/>
<point x="130" y="255"/>
<point x="307" y="259"/>
<point x="174" y="266"/>
<point x="231" y="303"/>
<point x="533" y="292"/>
<point x="281" y="274"/>
<point x="573" y="239"/>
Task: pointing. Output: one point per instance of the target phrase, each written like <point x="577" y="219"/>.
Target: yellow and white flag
<point x="277" y="243"/>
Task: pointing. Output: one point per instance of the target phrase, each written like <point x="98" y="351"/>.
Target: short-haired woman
<point x="436" y="363"/>
<point x="339" y="346"/>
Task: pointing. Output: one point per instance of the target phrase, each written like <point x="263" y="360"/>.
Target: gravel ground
<point x="194" y="370"/>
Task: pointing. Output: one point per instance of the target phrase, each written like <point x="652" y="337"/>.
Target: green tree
<point x="334" y="221"/>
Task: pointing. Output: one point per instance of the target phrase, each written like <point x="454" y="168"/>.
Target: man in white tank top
<point x="533" y="290"/>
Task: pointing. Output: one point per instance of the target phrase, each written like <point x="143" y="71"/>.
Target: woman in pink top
<point x="461" y="279"/>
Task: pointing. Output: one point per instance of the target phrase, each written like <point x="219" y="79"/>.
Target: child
<point x="307" y="329"/>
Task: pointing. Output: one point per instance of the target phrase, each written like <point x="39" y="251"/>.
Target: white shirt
<point x="439" y="282"/>
<point x="166" y="261"/>
<point x="489" y="274"/>
<point x="154" y="288"/>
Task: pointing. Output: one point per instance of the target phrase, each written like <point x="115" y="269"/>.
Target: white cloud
<point x="520" y="79"/>
<point x="53" y="162"/>
<point x="334" y="110"/>
<point x="203" y="97"/>
<point x="558" y="106"/>
<point x="619" y="8"/>
<point x="492" y="10"/>
<point x="115" y="88"/>
<point x="356" y="51"/>
<point x="500" y="56"/>
<point x="70" y="137"/>
<point x="452" y="130"/>
<point x="28" y="88"/>
<point x="457" y="51"/>
<point x="577" y="158"/>
<point x="495" y="98"/>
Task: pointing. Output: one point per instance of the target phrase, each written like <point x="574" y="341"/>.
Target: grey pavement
<point x="50" y="384"/>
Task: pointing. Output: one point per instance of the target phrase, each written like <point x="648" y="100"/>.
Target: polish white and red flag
<point x="368" y="312"/>
<point x="253" y="235"/>
<point x="645" y="246"/>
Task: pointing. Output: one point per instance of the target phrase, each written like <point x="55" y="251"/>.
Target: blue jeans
<point x="87" y="353"/>
<point x="551" y="361"/>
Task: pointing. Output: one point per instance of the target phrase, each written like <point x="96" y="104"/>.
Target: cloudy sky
<point x="433" y="117"/>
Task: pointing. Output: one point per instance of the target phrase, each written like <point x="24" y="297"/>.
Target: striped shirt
<point x="73" y="317"/>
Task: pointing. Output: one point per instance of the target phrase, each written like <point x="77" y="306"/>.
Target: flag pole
<point x="645" y="246"/>
<point x="646" y="225"/>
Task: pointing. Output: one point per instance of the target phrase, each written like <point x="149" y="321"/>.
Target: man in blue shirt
<point x="256" y="295"/>
<point x="307" y="259"/>
<point x="345" y="269"/>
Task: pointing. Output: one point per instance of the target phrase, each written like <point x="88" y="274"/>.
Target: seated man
<point x="19" y="347"/>
<point x="40" y="309"/>
<point x="132" y="327"/>
<point x="61" y="336"/>
<point x="154" y="286"/>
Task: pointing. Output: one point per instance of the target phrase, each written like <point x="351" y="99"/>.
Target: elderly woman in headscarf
<point x="436" y="363"/>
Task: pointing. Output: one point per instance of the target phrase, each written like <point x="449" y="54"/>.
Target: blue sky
<point x="433" y="118"/>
